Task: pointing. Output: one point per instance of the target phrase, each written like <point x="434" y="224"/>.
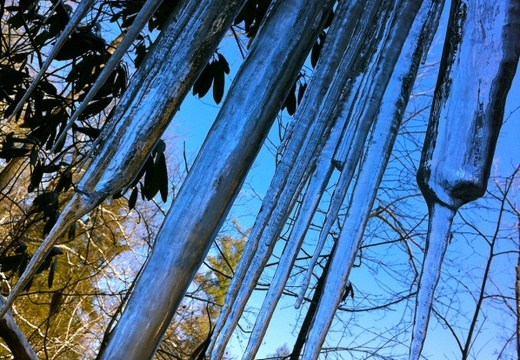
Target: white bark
<point x="465" y="122"/>
<point x="14" y="338"/>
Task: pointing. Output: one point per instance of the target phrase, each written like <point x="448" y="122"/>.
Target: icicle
<point x="373" y="165"/>
<point x="311" y="199"/>
<point x="290" y="174"/>
<point x="215" y="178"/>
<point x="462" y="134"/>
<point x="349" y="151"/>
<point x="341" y="187"/>
<point x="139" y="22"/>
<point x="439" y="224"/>
<point x="143" y="113"/>
<point x="352" y="142"/>
<point x="79" y="13"/>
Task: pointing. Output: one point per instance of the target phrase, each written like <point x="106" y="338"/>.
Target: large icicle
<point x="313" y="121"/>
<point x="215" y="178"/>
<point x="374" y="162"/>
<point x="352" y="142"/>
<point x="310" y="202"/>
<point x="466" y="117"/>
<point x="347" y="157"/>
<point x="154" y="94"/>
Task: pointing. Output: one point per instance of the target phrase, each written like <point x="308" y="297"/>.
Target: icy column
<point x="145" y="110"/>
<point x="391" y="106"/>
<point x="305" y="142"/>
<point x="478" y="64"/>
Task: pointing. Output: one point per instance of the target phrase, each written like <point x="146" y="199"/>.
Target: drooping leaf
<point x="89" y="131"/>
<point x="56" y="301"/>
<point x="151" y="185"/>
<point x="47" y="87"/>
<point x="301" y="91"/>
<point x="162" y="176"/>
<point x="204" y="81"/>
<point x="33" y="157"/>
<point x="218" y="84"/>
<point x="316" y="49"/>
<point x="160" y="147"/>
<point x="21" y="247"/>
<point x="11" y="263"/>
<point x="36" y="177"/>
<point x="133" y="198"/>
<point x="64" y="181"/>
<point x="71" y="234"/>
<point x="52" y="271"/>
<point x="223" y="63"/>
<point x="290" y="101"/>
<point x="79" y="43"/>
<point x="51" y="168"/>
<point x="45" y="202"/>
<point x="140" y="53"/>
<point x="52" y="218"/>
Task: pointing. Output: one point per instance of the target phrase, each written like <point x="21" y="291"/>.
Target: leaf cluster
<point x="213" y="74"/>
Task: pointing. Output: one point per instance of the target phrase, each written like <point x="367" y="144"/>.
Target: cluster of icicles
<point x="348" y="119"/>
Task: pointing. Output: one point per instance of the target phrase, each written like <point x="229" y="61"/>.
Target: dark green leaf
<point x="159" y="147"/>
<point x="140" y="53"/>
<point x="80" y="43"/>
<point x="224" y="65"/>
<point x="301" y="92"/>
<point x="36" y="177"/>
<point x="52" y="271"/>
<point x="151" y="185"/>
<point x="47" y="87"/>
<point x="218" y="84"/>
<point x="89" y="131"/>
<point x="53" y="217"/>
<point x="162" y="176"/>
<point x="95" y="107"/>
<point x="56" y="301"/>
<point x="290" y="101"/>
<point x="133" y="198"/>
<point x="71" y="234"/>
<point x="51" y="168"/>
<point x="46" y="202"/>
<point x="11" y="263"/>
<point x="204" y="81"/>
<point x="64" y="181"/>
<point x="21" y="247"/>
